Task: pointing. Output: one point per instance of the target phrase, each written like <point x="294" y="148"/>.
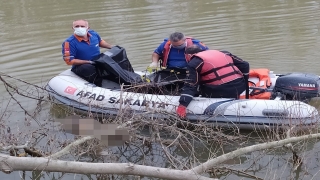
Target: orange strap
<point x="66" y="55"/>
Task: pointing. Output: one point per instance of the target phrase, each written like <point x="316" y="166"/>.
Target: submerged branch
<point x="67" y="149"/>
<point x="14" y="147"/>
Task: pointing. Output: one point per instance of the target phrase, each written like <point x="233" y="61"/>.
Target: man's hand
<point x="116" y="46"/>
<point x="152" y="67"/>
<point x="182" y="111"/>
<point x="92" y="62"/>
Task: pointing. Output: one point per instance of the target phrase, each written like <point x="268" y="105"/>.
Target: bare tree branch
<point x="213" y="162"/>
<point x="10" y="163"/>
<point x="66" y="150"/>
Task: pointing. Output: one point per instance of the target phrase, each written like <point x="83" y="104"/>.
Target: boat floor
<point x="107" y="84"/>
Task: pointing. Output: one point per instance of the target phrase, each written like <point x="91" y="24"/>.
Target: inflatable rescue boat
<point x="275" y="100"/>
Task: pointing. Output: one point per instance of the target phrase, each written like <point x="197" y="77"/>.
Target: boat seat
<point x="170" y="76"/>
<point x="110" y="84"/>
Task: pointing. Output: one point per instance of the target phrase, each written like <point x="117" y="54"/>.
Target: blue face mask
<point x="182" y="46"/>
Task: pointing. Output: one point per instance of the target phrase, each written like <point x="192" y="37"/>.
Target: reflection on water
<point x="279" y="35"/>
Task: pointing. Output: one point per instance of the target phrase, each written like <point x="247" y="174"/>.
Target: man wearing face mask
<point x="171" y="51"/>
<point x="80" y="48"/>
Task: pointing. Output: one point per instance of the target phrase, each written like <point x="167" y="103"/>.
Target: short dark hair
<point x="176" y="36"/>
<point x="193" y="49"/>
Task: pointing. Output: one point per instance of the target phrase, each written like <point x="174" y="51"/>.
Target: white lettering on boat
<point x="89" y="95"/>
<point x="138" y="102"/>
<point x="115" y="100"/>
<point x="306" y="85"/>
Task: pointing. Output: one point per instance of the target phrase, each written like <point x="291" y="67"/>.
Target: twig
<point x="26" y="112"/>
<point x="17" y="91"/>
<point x="20" y="81"/>
<point x="241" y="172"/>
<point x="169" y="156"/>
<point x="124" y="124"/>
<point x="173" y="142"/>
<point x="297" y="161"/>
<point x="121" y="98"/>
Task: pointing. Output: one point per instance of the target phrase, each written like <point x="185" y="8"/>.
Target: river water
<point x="281" y="35"/>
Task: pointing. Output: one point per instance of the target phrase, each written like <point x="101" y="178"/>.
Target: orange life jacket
<point x="167" y="48"/>
<point x="263" y="83"/>
<point x="218" y="68"/>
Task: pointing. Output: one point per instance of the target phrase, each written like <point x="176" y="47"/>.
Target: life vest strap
<point x="220" y="77"/>
<point x="213" y="70"/>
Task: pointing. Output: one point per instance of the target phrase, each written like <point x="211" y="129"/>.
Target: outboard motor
<point x="297" y="86"/>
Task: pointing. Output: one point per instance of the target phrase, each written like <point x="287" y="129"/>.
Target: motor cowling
<point x="297" y="86"/>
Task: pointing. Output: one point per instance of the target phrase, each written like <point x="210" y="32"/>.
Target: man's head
<point x="80" y="27"/>
<point x="178" y="40"/>
<point x="193" y="49"/>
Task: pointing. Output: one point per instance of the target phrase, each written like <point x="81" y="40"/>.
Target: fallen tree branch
<point x="212" y="162"/>
<point x="14" y="147"/>
<point x="9" y="164"/>
<point x="66" y="150"/>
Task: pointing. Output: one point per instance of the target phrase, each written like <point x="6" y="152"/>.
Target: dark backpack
<point x="114" y="65"/>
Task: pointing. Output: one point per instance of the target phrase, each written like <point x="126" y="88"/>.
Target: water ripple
<point x="277" y="35"/>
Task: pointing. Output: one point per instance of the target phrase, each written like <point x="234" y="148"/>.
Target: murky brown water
<point x="280" y="35"/>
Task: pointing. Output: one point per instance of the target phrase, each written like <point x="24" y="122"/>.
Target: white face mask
<point x="80" y="31"/>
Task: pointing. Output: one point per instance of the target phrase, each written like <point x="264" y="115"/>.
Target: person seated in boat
<point x="80" y="48"/>
<point x="219" y="74"/>
<point x="171" y="51"/>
